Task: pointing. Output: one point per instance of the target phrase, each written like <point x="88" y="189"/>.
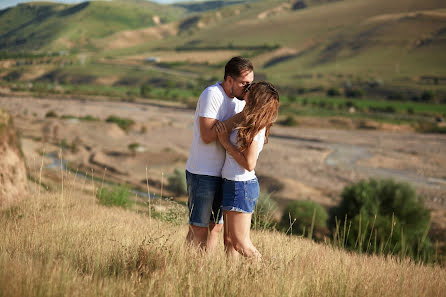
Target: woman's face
<point x="246" y="96"/>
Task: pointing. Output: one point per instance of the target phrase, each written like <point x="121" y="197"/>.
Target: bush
<point x="427" y="96"/>
<point x="263" y="217"/>
<point x="177" y="182"/>
<point x="382" y="216"/>
<point x="395" y="95"/>
<point x="118" y="196"/>
<point x="51" y="114"/>
<point x="289" y="121"/>
<point x="354" y="93"/>
<point x="302" y="217"/>
<point x="123" y="123"/>
<point x="89" y="118"/>
<point x="332" y="92"/>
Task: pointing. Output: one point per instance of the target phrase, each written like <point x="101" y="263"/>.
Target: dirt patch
<point x="294" y="161"/>
<point x="437" y="13"/>
<point x="274" y="11"/>
<point x="131" y="38"/>
<point x="189" y="56"/>
<point x="13" y="178"/>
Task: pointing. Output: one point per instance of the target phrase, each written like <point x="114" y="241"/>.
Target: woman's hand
<point x="222" y="133"/>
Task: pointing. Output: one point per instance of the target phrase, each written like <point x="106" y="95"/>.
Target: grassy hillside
<point x="50" y="27"/>
<point x="389" y="50"/>
<point x="64" y="243"/>
<point x="371" y="38"/>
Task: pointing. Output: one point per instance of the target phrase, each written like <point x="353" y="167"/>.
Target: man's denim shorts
<point x="205" y="198"/>
<point x="240" y="196"/>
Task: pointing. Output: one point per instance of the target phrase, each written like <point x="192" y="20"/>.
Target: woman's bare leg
<point x="237" y="234"/>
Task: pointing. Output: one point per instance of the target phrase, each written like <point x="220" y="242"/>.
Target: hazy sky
<point x="7" y="3"/>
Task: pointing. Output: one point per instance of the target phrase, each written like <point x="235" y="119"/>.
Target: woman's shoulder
<point x="260" y="135"/>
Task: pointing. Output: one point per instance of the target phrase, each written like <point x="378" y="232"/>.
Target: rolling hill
<point x="50" y="26"/>
<point x="297" y="43"/>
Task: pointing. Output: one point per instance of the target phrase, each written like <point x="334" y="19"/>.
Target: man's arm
<point x="208" y="130"/>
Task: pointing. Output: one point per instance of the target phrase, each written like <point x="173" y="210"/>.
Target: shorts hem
<point x="236" y="209"/>
<point x="204" y="225"/>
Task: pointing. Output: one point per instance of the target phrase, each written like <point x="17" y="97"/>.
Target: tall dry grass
<point x="66" y="244"/>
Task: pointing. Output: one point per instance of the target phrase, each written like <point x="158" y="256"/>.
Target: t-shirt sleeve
<point x="260" y="137"/>
<point x="209" y="105"/>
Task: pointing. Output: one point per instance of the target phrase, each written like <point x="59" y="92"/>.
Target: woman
<point x="240" y="184"/>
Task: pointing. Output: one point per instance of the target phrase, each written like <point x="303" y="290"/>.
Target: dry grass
<point x="65" y="244"/>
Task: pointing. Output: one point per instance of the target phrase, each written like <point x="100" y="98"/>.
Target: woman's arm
<point x="246" y="159"/>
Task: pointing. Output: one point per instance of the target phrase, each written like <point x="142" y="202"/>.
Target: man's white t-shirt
<point x="231" y="169"/>
<point x="208" y="159"/>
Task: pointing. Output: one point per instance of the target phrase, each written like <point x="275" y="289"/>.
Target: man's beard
<point x="234" y="95"/>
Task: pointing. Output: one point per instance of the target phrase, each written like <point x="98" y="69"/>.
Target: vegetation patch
<point x="123" y="123"/>
<point x="383" y="217"/>
<point x="117" y="196"/>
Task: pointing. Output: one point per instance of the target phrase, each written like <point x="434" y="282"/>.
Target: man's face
<point x="240" y="83"/>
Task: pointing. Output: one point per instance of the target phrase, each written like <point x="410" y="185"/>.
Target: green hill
<point x="49" y="26"/>
<point x="384" y="47"/>
<point x="346" y="36"/>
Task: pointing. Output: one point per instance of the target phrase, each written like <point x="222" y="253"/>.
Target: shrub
<point x="395" y="95"/>
<point x="177" y="182"/>
<point x="332" y="92"/>
<point x="302" y="217"/>
<point x="123" y="123"/>
<point x="133" y="147"/>
<point x="354" y="92"/>
<point x="88" y="118"/>
<point x="118" y="196"/>
<point x="382" y="216"/>
<point x="51" y="114"/>
<point x="427" y="96"/>
<point x="289" y="121"/>
<point x="263" y="216"/>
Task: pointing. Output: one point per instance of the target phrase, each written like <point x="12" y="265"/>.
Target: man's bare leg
<point x="197" y="236"/>
<point x="214" y="234"/>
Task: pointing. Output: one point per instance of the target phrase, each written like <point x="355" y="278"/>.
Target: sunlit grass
<point x="66" y="243"/>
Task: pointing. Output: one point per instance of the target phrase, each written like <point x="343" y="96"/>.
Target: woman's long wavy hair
<point x="261" y="111"/>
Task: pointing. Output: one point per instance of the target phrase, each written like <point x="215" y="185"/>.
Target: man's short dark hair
<point x="236" y="66"/>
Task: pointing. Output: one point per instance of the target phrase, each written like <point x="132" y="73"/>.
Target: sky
<point x="8" y="3"/>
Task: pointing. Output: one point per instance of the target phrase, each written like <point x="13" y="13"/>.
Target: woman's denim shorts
<point x="240" y="196"/>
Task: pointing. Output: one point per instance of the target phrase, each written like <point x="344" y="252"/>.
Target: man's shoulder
<point x="213" y="92"/>
<point x="214" y="89"/>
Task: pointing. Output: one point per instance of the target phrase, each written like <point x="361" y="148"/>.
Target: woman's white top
<point x="231" y="169"/>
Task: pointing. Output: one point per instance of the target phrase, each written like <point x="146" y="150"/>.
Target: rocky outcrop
<point x="13" y="179"/>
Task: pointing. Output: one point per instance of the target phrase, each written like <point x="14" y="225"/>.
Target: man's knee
<point x="198" y="233"/>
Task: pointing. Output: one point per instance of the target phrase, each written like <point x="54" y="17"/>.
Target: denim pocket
<point x="252" y="192"/>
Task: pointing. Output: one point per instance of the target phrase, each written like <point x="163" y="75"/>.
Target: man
<point x="219" y="102"/>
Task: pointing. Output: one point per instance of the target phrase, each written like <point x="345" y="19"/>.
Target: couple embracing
<point x="231" y="125"/>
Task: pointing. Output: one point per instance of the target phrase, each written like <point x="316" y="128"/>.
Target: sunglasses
<point x="249" y="86"/>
